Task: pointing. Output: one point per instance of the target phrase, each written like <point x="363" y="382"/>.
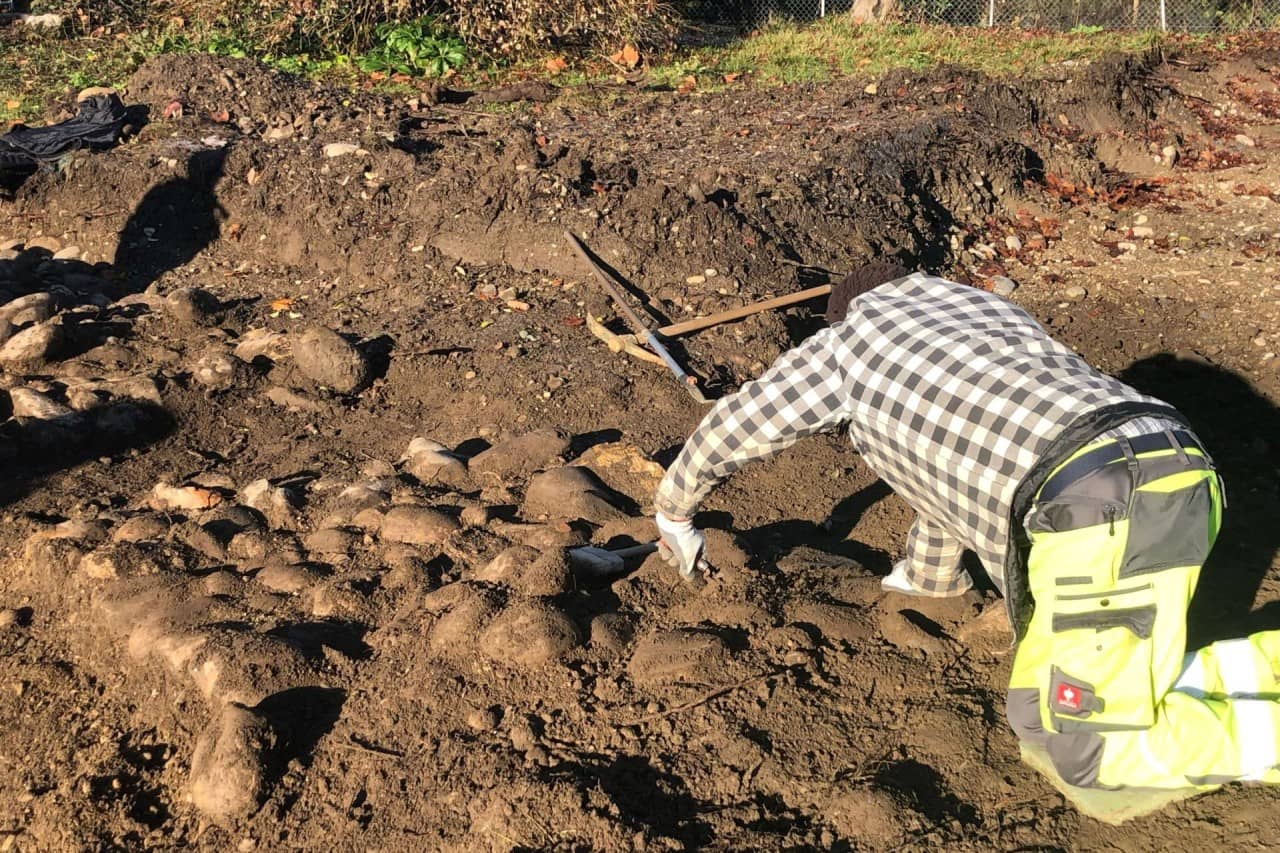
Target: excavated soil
<point x="302" y="416"/>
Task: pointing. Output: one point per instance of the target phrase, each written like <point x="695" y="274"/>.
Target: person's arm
<point x="804" y="392"/>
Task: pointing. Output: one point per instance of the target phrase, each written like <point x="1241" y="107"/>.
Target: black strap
<point x="1114" y="452"/>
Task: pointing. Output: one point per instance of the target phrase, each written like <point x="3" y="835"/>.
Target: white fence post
<point x="822" y="8"/>
<point x="991" y="12"/>
<point x="1164" y="21"/>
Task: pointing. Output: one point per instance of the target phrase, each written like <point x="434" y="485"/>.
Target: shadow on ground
<point x="1239" y="428"/>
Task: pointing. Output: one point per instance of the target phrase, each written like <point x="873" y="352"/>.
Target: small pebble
<point x="1003" y="285"/>
<point x="1075" y="292"/>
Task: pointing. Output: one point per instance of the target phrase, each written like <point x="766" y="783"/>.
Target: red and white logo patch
<point x="1069" y="697"/>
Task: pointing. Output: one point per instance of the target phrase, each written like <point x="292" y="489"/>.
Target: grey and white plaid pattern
<point x="951" y="396"/>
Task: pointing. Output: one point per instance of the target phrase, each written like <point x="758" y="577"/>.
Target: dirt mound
<point x="301" y="420"/>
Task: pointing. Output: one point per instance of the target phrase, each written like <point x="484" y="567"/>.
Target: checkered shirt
<point x="951" y="395"/>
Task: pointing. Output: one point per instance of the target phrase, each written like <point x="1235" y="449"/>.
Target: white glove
<point x="681" y="544"/>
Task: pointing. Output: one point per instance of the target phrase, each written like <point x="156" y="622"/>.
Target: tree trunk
<point x="873" y="11"/>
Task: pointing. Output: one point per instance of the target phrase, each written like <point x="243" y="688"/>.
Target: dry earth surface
<point x="301" y="416"/>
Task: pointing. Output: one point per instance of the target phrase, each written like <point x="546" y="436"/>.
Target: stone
<point x="1013" y="243"/>
<point x="1170" y="154"/>
<point x="340" y="149"/>
<point x="417" y="525"/>
<point x="67" y="253"/>
<point x="430" y="467"/>
<point x="222" y="583"/>
<point x="228" y="779"/>
<point x="292" y="400"/>
<point x="460" y="611"/>
<point x="47" y="242"/>
<point x="286" y="578"/>
<point x="330" y="360"/>
<point x="1003" y="285"/>
<point x="543" y="537"/>
<point x="331" y="541"/>
<point x="262" y="343"/>
<point x="276" y="503"/>
<point x="529" y="634"/>
<point x="198" y="538"/>
<point x="522" y="455"/>
<point x="29" y="403"/>
<point x="476" y="515"/>
<point x="95" y="91"/>
<point x="570" y="492"/>
<point x="33" y="345"/>
<point x="166" y="497"/>
<point x="1143" y="232"/>
<point x="29" y="309"/>
<point x="682" y="655"/>
<point x="219" y="370"/>
<point x="528" y="571"/>
<point x="1246" y="141"/>
<point x="193" y="306"/>
<point x="1076" y="292"/>
<point x="141" y="528"/>
<point x="611" y="633"/>
<point x="484" y="719"/>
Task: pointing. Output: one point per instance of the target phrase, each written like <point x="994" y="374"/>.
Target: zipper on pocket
<point x="1109" y="512"/>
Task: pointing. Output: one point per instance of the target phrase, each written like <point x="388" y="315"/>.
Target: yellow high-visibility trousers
<point x="1101" y="679"/>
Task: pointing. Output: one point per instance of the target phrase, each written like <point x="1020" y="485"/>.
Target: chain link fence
<point x="1179" y="15"/>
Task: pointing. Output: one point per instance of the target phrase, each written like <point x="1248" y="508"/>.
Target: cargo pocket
<point x="1102" y="648"/>
<point x="1169" y="527"/>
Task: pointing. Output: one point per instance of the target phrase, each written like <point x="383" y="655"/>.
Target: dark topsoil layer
<point x="405" y="692"/>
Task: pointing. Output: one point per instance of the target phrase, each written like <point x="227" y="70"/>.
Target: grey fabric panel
<point x="1077" y="757"/>
<point x="1212" y="780"/>
<point x="1155" y="468"/>
<point x="1070" y="725"/>
<point x="1102" y="596"/>
<point x="1139" y="620"/>
<point x="1167" y="530"/>
<point x="1073" y="580"/>
<point x="1098" y="497"/>
<point x="1022" y="708"/>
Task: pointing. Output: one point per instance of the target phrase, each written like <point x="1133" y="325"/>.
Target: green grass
<point x="837" y="47"/>
<point x="36" y="69"/>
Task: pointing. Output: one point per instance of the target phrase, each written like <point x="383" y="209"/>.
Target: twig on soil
<point x="702" y="700"/>
<point x="805" y="266"/>
<point x="356" y="743"/>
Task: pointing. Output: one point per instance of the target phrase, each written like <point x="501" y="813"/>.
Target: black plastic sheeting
<point x="98" y="125"/>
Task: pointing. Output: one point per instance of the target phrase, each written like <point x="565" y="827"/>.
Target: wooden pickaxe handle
<point x="614" y="288"/>
<point x="698" y="323"/>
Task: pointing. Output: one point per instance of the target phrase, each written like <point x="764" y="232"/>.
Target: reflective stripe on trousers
<point x="1100" y="679"/>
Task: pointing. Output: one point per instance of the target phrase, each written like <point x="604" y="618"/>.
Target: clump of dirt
<point x="302" y="420"/>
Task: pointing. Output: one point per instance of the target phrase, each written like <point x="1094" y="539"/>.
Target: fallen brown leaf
<point x="556" y="64"/>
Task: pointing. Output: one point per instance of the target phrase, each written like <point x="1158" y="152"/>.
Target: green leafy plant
<point x="417" y="48"/>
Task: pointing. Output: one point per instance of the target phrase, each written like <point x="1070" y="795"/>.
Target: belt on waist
<point x="1113" y="452"/>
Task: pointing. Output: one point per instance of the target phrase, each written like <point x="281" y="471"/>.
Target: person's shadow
<point x="1241" y="430"/>
<point x="173" y="222"/>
